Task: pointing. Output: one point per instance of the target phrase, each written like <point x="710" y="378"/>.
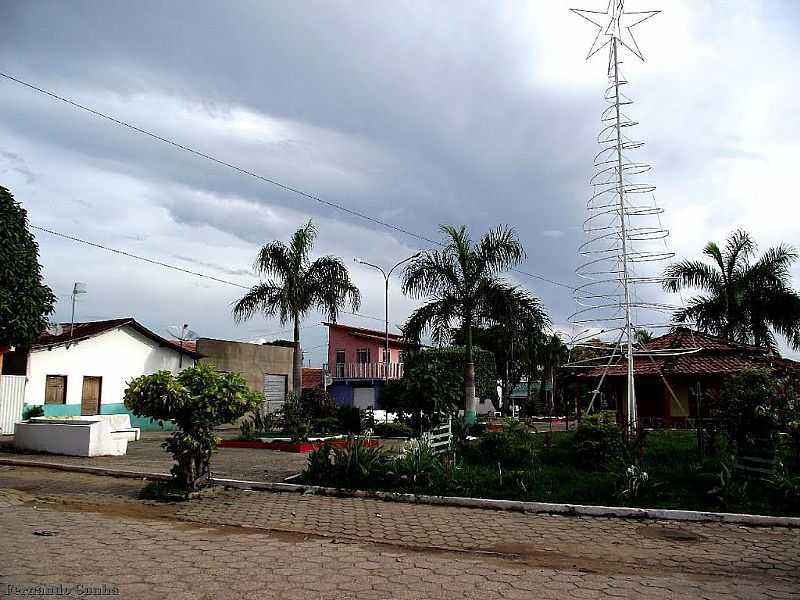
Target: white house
<point x="85" y="369"/>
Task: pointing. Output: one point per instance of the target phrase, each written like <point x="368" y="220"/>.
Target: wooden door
<point x="90" y="399"/>
<point x="55" y="391"/>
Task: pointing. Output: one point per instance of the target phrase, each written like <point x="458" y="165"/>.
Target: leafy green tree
<point x="744" y="300"/>
<point x="25" y="302"/>
<point x="295" y="286"/>
<point x="460" y="282"/>
<point x="198" y="399"/>
<point x="516" y="318"/>
<point x="433" y="384"/>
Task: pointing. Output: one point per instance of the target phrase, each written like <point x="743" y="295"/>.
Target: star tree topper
<point x="615" y="23"/>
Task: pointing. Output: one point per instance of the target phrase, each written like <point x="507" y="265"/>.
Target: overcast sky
<point x="417" y="113"/>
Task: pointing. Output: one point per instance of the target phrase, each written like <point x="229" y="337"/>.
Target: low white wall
<point x="72" y="438"/>
<point x="117" y="356"/>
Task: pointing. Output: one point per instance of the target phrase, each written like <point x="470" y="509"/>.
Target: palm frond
<point x="429" y="274"/>
<point x="329" y="286"/>
<point x="711" y="249"/>
<point x="499" y="250"/>
<point x="692" y="274"/>
<point x="268" y="299"/>
<point x="302" y="242"/>
<point x="274" y="260"/>
<point x="437" y="317"/>
<point x="739" y="247"/>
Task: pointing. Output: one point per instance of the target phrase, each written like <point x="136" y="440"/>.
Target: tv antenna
<point x="182" y="334"/>
<point x="77" y="289"/>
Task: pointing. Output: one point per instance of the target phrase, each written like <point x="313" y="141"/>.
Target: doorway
<point x="90" y="398"/>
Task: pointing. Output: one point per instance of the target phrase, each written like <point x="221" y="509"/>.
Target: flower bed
<point x="289" y="446"/>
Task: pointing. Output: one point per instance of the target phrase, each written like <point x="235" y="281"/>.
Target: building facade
<point x="267" y="368"/>
<point x="358" y="365"/>
<point x="85" y="369"/>
<point x="685" y="368"/>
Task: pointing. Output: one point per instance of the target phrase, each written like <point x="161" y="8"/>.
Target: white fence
<point x="12" y="397"/>
<point x="439" y="437"/>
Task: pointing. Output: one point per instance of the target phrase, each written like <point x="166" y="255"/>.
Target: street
<point x="86" y="534"/>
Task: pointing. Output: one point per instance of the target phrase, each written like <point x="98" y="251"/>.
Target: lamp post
<point x="386" y="276"/>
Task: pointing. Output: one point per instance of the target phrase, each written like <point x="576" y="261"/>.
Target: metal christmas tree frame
<point x="623" y="230"/>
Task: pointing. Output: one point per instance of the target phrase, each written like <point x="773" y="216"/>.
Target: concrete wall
<point x="253" y="361"/>
<point x="117" y="356"/>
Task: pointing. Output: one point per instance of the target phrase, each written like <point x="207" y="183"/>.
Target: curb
<point x="573" y="510"/>
<point x="121" y="473"/>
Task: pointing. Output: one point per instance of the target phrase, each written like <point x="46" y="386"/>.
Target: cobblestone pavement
<point x="239" y="544"/>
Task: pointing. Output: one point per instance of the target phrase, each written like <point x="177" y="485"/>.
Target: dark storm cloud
<point x="416" y="113"/>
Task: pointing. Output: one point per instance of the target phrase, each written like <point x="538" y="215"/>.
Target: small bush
<point x="349" y="419"/>
<point x="318" y="403"/>
<point x="633" y="483"/>
<point x="400" y="430"/>
<point x="32" y="411"/>
<point x="598" y="440"/>
<point x="513" y="447"/>
<point x="417" y="467"/>
<point x="296" y="422"/>
<point x="351" y="466"/>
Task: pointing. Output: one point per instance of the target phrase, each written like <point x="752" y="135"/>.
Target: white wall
<point x="117" y="356"/>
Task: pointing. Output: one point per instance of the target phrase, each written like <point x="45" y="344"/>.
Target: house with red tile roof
<point x="84" y="368"/>
<point x="677" y="373"/>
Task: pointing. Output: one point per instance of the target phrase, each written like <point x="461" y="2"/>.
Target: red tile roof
<point x="83" y="331"/>
<point x="395" y="340"/>
<point x="703" y="354"/>
<point x="313" y="378"/>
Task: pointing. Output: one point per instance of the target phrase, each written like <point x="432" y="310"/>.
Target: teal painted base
<point x="470" y="416"/>
<point x="74" y="410"/>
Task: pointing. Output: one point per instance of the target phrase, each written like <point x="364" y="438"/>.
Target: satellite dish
<point x="54" y="329"/>
<point x="183" y="334"/>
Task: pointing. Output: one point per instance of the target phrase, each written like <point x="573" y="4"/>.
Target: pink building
<point x="357" y="364"/>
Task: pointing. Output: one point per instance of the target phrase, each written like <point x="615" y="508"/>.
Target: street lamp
<point x="386" y="276"/>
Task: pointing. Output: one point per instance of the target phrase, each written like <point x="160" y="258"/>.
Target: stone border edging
<point x="15" y="462"/>
<point x="485" y="503"/>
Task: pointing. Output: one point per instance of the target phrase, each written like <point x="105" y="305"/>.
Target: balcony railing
<point x="366" y="370"/>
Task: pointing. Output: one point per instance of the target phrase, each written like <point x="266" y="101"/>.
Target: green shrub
<point x="318" y="403"/>
<point x="400" y="430"/>
<point x="598" y="440"/>
<point x="513" y="447"/>
<point x="350" y="419"/>
<point x="320" y="464"/>
<point x="198" y="399"/>
<point x="326" y="425"/>
<point x="296" y="422"/>
<point x="31" y="411"/>
<point x="355" y="463"/>
<point x="417" y="467"/>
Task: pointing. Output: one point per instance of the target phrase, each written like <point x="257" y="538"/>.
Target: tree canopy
<point x="742" y="300"/>
<point x="25" y="302"/>
<point x="295" y="285"/>
<point x="461" y="284"/>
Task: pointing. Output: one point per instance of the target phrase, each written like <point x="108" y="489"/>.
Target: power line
<point x="167" y="265"/>
<point x="249" y="173"/>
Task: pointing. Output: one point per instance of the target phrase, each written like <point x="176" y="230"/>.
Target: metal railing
<point x="368" y="370"/>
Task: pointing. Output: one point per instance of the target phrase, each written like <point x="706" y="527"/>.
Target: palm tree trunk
<point x="470" y="405"/>
<point x="297" y="373"/>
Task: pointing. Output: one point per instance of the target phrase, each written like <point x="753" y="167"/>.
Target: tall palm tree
<point x="743" y="301"/>
<point x="295" y="286"/>
<point x="461" y="284"/>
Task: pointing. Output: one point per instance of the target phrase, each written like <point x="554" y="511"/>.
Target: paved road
<point x="239" y="544"/>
